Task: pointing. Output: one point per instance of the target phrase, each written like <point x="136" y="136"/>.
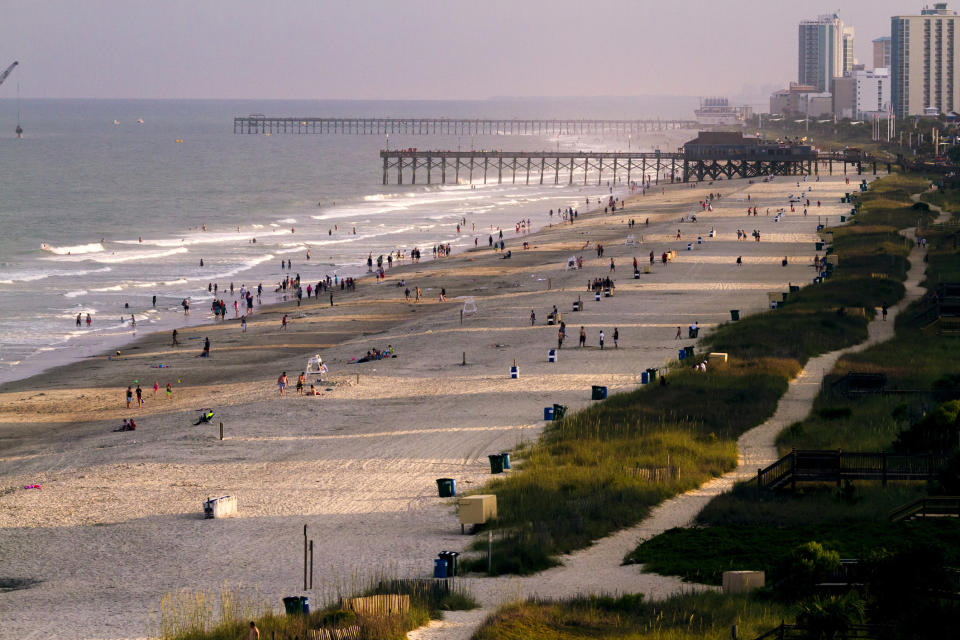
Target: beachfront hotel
<point x="924" y="62"/>
<point x="826" y="51"/>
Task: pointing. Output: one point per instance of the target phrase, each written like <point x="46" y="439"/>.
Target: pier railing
<point x="260" y="124"/>
<point x="582" y="167"/>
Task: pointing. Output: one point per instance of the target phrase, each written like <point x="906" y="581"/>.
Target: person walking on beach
<point x="583" y="337"/>
<point x="89" y="321"/>
<point x="175" y="343"/>
<point x="883" y="311"/>
<point x="156" y="388"/>
<point x="533" y="317"/>
<point x="283" y="323"/>
<point x="282" y="382"/>
<point x="616" y="338"/>
<point x="300" y="381"/>
<point x="169" y="391"/>
<point x="139" y="397"/>
<point x="601" y="339"/>
<point x="417" y="296"/>
<point x="678" y="334"/>
<point x="613" y="267"/>
<point x="559" y="338"/>
<point x="739" y="261"/>
<point x="129" y="396"/>
<point x="78" y="320"/>
<point x="243" y="324"/>
<point x="206" y="348"/>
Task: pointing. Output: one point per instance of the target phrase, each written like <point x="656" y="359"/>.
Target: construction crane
<point x="8" y="71"/>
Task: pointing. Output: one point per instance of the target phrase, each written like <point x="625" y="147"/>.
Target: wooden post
<point x="490" y="543"/>
<point x="464" y="363"/>
<point x="304" y="557"/>
<point x="461" y="317"/>
<point x="311" y="564"/>
<point x="384" y="169"/>
<point x="221" y="431"/>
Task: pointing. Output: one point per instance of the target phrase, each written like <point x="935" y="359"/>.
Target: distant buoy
<point x="116" y="122"/>
<point x="139" y="120"/>
<point x="179" y="141"/>
<point x="267" y="134"/>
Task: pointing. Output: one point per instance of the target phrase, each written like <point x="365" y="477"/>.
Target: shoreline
<point x="117" y="522"/>
<point x="71" y="350"/>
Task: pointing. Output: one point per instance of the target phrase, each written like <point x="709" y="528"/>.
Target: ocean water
<point x="120" y="208"/>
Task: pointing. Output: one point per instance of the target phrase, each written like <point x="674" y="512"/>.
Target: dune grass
<point x="200" y="615"/>
<point x="584" y="478"/>
<point x="742" y="530"/>
<point x="700" y="616"/>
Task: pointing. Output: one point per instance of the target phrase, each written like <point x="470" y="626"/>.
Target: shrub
<point x="829" y="617"/>
<point x="807" y="565"/>
<point x="937" y="432"/>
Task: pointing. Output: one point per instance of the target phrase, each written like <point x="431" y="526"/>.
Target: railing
<point x="927" y="506"/>
<point x="837" y="466"/>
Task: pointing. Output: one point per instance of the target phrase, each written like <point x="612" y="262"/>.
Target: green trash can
<point x="843" y="218"/>
<point x="446" y="487"/>
<point x="688" y="351"/>
<point x="734" y="314"/>
<point x="294" y="605"/>
<point x="653" y="375"/>
<point x="819" y="246"/>
<point x="559" y="410"/>
<point x="496" y="463"/>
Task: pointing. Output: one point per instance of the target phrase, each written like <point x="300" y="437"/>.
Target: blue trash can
<point x="644" y="377"/>
<point x="682" y="354"/>
<point x="439" y="567"/>
<point x="548" y="413"/>
<point x="446" y="487"/>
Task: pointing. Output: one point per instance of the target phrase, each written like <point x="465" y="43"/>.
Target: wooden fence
<point x="380" y="605"/>
<point x="837" y="466"/>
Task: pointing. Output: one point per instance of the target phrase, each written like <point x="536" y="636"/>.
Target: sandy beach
<point x="119" y="520"/>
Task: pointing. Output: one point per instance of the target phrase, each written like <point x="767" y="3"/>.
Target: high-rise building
<point x="848" y="59"/>
<point x="823" y="51"/>
<point x="925" y="62"/>
<point x="881" y="53"/>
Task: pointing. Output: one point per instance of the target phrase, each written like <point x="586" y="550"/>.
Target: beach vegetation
<point x="604" y="468"/>
<point x="706" y="615"/>
<point x="191" y="614"/>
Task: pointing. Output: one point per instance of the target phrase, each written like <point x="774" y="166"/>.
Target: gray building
<point x="925" y="62"/>
<point x="881" y="53"/>
<point x="824" y="50"/>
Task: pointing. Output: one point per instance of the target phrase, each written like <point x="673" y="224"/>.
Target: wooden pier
<point x="583" y="167"/>
<point x="256" y="124"/>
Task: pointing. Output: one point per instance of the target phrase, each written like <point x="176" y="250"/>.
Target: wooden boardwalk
<point x="260" y="124"/>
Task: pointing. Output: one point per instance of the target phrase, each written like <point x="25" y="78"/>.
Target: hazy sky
<point x="398" y="49"/>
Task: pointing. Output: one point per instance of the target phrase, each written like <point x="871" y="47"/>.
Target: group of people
<point x="742" y="235"/>
<point x="376" y="354"/>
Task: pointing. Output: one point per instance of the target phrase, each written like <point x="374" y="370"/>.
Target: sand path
<point x="598" y="569"/>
